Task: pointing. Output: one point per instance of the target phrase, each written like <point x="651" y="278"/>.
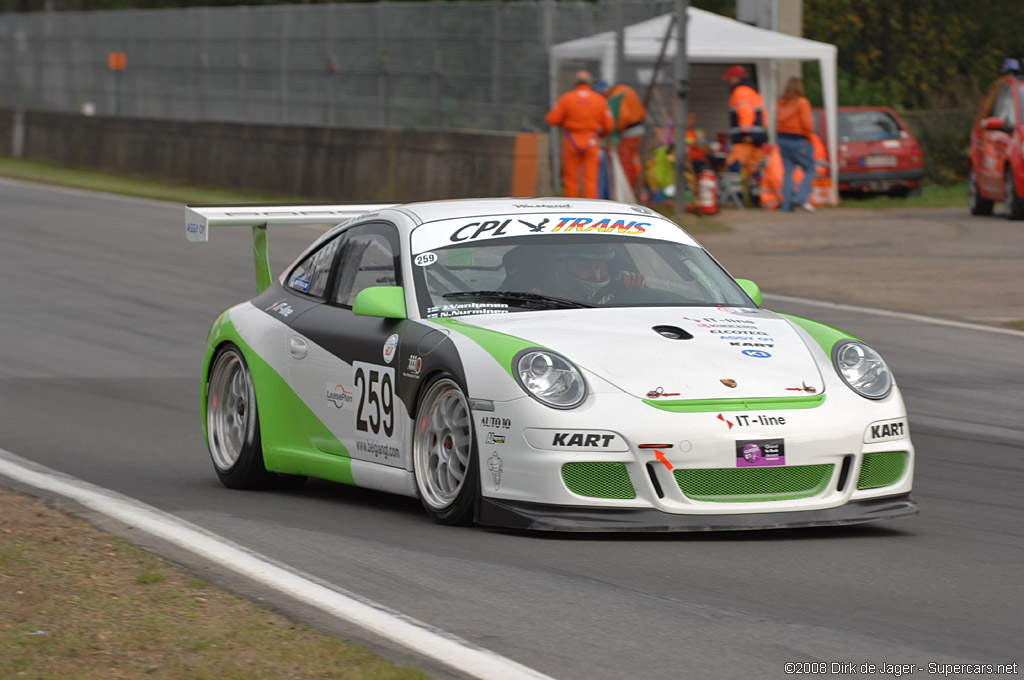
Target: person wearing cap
<point x="629" y="114"/>
<point x="747" y="121"/>
<point x="584" y="116"/>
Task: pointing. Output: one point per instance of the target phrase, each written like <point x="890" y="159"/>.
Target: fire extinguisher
<point x="707" y="192"/>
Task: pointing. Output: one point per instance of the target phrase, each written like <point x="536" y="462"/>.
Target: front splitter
<point x="545" y="517"/>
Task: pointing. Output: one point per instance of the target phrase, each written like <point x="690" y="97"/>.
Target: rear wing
<point x="200" y="219"/>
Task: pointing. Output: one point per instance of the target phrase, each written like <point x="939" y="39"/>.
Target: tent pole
<point x="682" y="73"/>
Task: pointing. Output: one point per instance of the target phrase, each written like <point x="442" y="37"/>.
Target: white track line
<point x="897" y="315"/>
<point x="430" y="642"/>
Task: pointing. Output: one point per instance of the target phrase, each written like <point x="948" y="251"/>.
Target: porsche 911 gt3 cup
<point x="555" y="364"/>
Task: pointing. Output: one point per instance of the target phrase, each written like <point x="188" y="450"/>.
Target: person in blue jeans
<point x="795" y="127"/>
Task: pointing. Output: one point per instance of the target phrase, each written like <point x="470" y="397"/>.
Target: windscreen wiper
<point x="535" y="300"/>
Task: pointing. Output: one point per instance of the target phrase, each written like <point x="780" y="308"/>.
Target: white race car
<point x="558" y="364"/>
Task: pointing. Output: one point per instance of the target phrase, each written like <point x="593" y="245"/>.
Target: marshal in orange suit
<point x="585" y="117"/>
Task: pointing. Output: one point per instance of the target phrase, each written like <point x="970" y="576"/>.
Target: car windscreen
<point x="552" y="271"/>
<point x="867" y="126"/>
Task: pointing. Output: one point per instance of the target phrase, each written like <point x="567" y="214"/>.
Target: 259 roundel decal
<point x="375" y="398"/>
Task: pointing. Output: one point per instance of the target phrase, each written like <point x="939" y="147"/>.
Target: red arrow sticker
<point x="661" y="458"/>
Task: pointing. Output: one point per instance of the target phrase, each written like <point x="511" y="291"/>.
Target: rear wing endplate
<point x="200" y="219"/>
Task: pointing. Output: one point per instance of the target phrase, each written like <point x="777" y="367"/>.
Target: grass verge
<point x="79" y="604"/>
<point x="932" y="196"/>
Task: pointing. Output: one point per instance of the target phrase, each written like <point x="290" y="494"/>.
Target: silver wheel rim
<point x="230" y="410"/>
<point x="443" y="444"/>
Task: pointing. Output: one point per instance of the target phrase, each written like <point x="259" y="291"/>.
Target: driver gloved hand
<point x="631" y="280"/>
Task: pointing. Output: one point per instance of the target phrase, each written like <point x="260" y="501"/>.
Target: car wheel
<point x="444" y="453"/>
<point x="232" y="424"/>
<point x="1014" y="204"/>
<point x="978" y="203"/>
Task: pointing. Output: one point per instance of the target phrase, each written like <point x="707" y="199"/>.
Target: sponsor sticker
<point x="413" y="366"/>
<point x="751" y="420"/>
<point x="886" y="430"/>
<point x="338" y="395"/>
<point x="494" y="465"/>
<point x="299" y="283"/>
<point x="760" y="453"/>
<point x="281" y="307"/>
<point x="575" y="440"/>
<point x="390" y="347"/>
<point x="757" y="353"/>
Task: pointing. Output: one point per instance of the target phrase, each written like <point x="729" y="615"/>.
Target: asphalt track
<point x="104" y="316"/>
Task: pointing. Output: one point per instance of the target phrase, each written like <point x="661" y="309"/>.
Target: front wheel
<point x="232" y="424"/>
<point x="444" y="454"/>
<point x="1014" y="204"/>
<point x="978" y="203"/>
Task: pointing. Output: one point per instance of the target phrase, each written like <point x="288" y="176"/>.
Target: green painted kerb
<point x="756" y="404"/>
<point x="501" y="346"/>
<point x="281" y="412"/>
<point x="823" y="334"/>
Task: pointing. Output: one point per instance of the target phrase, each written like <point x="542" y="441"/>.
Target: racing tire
<point x="445" y="459"/>
<point x="233" y="425"/>
<point x="1014" y="203"/>
<point x="979" y="204"/>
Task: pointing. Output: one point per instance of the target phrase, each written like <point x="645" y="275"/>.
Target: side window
<point x="310" y="276"/>
<point x="368" y="258"/>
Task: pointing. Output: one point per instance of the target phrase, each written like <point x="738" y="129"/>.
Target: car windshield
<point x="867" y="126"/>
<point x="500" y="276"/>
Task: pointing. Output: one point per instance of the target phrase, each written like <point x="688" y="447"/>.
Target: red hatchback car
<point x="877" y="152"/>
<point x="996" y="159"/>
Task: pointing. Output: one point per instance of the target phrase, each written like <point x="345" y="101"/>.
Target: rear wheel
<point x="1014" y="204"/>
<point x="232" y="424"/>
<point x="978" y="203"/>
<point x="444" y="454"/>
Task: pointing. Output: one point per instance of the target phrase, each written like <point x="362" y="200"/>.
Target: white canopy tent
<point x="711" y="38"/>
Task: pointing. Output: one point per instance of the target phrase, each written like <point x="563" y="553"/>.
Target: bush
<point x="944" y="136"/>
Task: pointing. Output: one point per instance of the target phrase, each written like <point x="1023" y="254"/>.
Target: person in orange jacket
<point x="748" y="123"/>
<point x="585" y="117"/>
<point x="796" y="129"/>
<point x="629" y="114"/>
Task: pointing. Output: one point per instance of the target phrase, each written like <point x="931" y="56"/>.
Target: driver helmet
<point x="585" y="267"/>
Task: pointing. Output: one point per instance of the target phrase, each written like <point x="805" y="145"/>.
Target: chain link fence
<point x="452" y="65"/>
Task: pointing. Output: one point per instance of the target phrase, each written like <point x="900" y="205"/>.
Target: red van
<point x="996" y="161"/>
<point x="877" y="151"/>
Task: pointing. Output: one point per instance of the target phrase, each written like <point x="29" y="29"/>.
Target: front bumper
<point x="543" y="517"/>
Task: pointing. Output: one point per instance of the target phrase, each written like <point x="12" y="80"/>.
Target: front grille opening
<point x="753" y="485"/>
<point x="598" y="480"/>
<point x="884" y="468"/>
<point x="844" y="472"/>
<point x="653" y="474"/>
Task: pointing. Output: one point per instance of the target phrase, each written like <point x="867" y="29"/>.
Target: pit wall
<point x="315" y="163"/>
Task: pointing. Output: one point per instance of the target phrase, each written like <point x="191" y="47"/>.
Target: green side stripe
<point x="282" y="414"/>
<point x="755" y="404"/>
<point x="824" y="335"/>
<point x="501" y="346"/>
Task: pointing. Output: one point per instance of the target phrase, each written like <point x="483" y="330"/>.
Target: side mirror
<point x="751" y="289"/>
<point x="387" y="302"/>
<point x="993" y="123"/>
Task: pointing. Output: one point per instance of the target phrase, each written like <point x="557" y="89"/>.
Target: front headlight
<point x="549" y="378"/>
<point x="862" y="368"/>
